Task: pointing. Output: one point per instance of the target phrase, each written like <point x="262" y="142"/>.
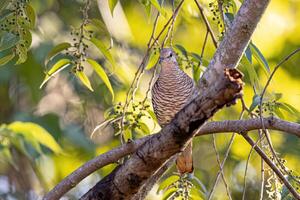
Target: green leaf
<point x="196" y="72"/>
<point x="229" y="17"/>
<point x="289" y="108"/>
<point x="250" y="70"/>
<point x="98" y="26"/>
<point x="158" y="7"/>
<point x="277" y="96"/>
<point x="7" y="155"/>
<point x="152" y="114"/>
<point x="34" y="131"/>
<point x="112" y="4"/>
<point x="57" y="67"/>
<point x="101" y="73"/>
<point x="26" y="37"/>
<point x="255" y="102"/>
<point x="4" y="4"/>
<point x="99" y="44"/>
<point x="84" y="79"/>
<point x="127" y="134"/>
<point x="248" y="54"/>
<point x="169" y="193"/>
<point x="196" y="57"/>
<point x="198" y="184"/>
<point x="167" y="182"/>
<point x="6" y="59"/>
<point x="278" y="112"/>
<point x="196" y="194"/>
<point x="153" y="59"/>
<point x="21" y="52"/>
<point x="181" y="49"/>
<point x="8" y="40"/>
<point x="58" y="48"/>
<point x="30" y="14"/>
<point x="144" y="128"/>
<point x="259" y="57"/>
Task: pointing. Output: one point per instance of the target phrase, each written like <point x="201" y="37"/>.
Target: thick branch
<point x="235" y="40"/>
<point x="217" y="90"/>
<point x="126" y="180"/>
<point x="114" y="155"/>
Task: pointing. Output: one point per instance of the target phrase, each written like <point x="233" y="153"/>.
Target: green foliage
<point x="176" y="187"/>
<point x="133" y="123"/>
<point x="90" y="57"/>
<point x="17" y="18"/>
<point x="77" y="58"/>
<point x="29" y="138"/>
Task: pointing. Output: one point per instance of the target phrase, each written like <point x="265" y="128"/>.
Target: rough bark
<point x="238" y="126"/>
<point x="217" y="90"/>
<point x="126" y="180"/>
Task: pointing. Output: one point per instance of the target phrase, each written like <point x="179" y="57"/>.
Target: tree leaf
<point x="112" y="4"/>
<point x="197" y="194"/>
<point x="8" y="40"/>
<point x="6" y="59"/>
<point x="153" y="59"/>
<point x="250" y="70"/>
<point x="22" y="53"/>
<point x="31" y="15"/>
<point x="34" y="131"/>
<point x="169" y="193"/>
<point x="99" y="44"/>
<point x="255" y="102"/>
<point x="98" y="26"/>
<point x="101" y="73"/>
<point x="278" y="96"/>
<point x="57" y="67"/>
<point x="196" y="72"/>
<point x="4" y="4"/>
<point x="158" y="7"/>
<point x="26" y="37"/>
<point x="259" y="57"/>
<point x="248" y="54"/>
<point x="167" y="182"/>
<point x="127" y="134"/>
<point x="278" y="112"/>
<point x="55" y="50"/>
<point x="152" y="114"/>
<point x="144" y="128"/>
<point x="181" y="49"/>
<point x="84" y="79"/>
<point x="288" y="108"/>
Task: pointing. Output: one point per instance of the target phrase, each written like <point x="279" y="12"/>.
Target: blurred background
<point x="70" y="112"/>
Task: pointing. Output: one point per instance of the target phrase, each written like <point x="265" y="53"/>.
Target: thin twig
<point x="224" y="160"/>
<point x="141" y="68"/>
<point x="213" y="37"/>
<point x="272" y="166"/>
<point x="260" y="107"/>
<point x="114" y="155"/>
<point x="262" y="166"/>
<point x="245" y="174"/>
<point x="220" y="166"/>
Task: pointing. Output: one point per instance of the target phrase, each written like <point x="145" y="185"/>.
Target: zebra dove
<point x="170" y="93"/>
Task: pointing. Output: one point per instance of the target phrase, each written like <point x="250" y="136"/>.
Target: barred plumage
<point x="170" y="93"/>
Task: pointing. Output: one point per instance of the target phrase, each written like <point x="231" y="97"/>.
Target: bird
<point x="172" y="90"/>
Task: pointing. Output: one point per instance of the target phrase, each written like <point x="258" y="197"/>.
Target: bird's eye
<point x="170" y="55"/>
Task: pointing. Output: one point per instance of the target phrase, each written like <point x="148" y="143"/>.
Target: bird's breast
<point x="169" y="95"/>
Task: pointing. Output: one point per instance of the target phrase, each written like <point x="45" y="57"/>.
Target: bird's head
<point x="167" y="55"/>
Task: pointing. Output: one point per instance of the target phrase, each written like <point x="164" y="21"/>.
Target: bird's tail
<point x="184" y="161"/>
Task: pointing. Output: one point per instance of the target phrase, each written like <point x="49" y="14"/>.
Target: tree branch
<point x="114" y="155"/>
<point x="217" y="90"/>
<point x="272" y="165"/>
